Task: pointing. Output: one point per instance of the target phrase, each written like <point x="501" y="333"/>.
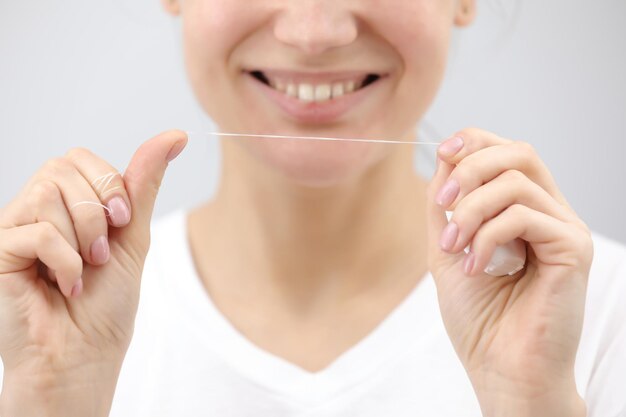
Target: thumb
<point x="437" y="221"/>
<point x="143" y="177"/>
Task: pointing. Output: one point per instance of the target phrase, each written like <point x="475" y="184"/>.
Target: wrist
<point x="524" y="397"/>
<point x="86" y="392"/>
<point x="510" y="401"/>
<point x="565" y="405"/>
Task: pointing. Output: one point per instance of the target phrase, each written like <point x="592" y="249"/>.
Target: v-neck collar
<point x="394" y="337"/>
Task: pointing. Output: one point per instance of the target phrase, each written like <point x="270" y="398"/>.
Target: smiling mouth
<point x="311" y="90"/>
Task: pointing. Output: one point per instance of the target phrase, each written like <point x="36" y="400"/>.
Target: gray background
<point x="108" y="75"/>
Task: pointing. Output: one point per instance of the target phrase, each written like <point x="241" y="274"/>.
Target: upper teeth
<point x="309" y="92"/>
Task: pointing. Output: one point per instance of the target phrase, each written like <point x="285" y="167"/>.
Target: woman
<point x="323" y="278"/>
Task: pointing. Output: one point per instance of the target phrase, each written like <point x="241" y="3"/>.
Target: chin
<point x="316" y="164"/>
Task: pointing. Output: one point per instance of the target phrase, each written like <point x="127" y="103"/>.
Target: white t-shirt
<point x="187" y="360"/>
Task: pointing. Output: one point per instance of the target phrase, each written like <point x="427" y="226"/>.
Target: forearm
<point x="85" y="394"/>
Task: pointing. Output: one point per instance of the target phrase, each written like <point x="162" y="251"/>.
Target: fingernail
<point x="77" y="288"/>
<point x="448" y="193"/>
<point x="468" y="264"/>
<point x="448" y="236"/>
<point x="451" y="146"/>
<point x="175" y="151"/>
<point x="120" y="214"/>
<point x="100" y="250"/>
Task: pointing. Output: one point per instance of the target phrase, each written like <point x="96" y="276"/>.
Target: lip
<point x="316" y="112"/>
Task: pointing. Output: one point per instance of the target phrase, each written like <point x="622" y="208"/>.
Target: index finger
<point x="465" y="145"/>
<point x="106" y="182"/>
<point x="467" y="142"/>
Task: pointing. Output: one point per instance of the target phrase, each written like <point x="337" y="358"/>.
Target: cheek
<point x="211" y="30"/>
<point x="419" y="31"/>
<point x="214" y="26"/>
<point x="425" y="53"/>
<point x="420" y="25"/>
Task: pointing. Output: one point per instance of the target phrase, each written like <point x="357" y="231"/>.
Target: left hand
<point x="517" y="336"/>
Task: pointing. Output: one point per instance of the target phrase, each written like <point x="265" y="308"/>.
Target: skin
<point x="63" y="339"/>
<point x="299" y="202"/>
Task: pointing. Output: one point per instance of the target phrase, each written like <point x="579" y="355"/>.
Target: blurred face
<point x="339" y="68"/>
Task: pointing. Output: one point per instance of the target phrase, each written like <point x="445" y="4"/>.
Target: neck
<point x="263" y="231"/>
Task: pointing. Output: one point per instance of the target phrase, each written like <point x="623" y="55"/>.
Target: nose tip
<point x="316" y="27"/>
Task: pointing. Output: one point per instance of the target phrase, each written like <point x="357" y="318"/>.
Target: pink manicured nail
<point x="120" y="214"/>
<point x="451" y="146"/>
<point x="100" y="250"/>
<point x="468" y="264"/>
<point x="448" y="193"/>
<point x="448" y="236"/>
<point x="77" y="288"/>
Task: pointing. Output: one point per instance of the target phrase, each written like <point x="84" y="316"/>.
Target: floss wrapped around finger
<point x="507" y="259"/>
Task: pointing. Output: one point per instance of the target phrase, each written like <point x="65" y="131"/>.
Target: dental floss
<point x="100" y="184"/>
<point x="506" y="260"/>
<point x="92" y="203"/>
<point x="103" y="181"/>
<point x="248" y="135"/>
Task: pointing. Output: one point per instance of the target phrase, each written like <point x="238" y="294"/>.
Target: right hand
<point x="58" y="314"/>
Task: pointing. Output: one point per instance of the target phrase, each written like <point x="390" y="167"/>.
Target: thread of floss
<point x="319" y="138"/>
<point x="508" y="259"/>
<point x="101" y="183"/>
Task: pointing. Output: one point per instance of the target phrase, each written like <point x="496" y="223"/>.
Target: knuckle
<point x="525" y="149"/>
<point x="583" y="248"/>
<point x="516" y="210"/>
<point x="482" y="236"/>
<point x="45" y="192"/>
<point x="582" y="240"/>
<point x="585" y="228"/>
<point x="47" y="233"/>
<point x="78" y="153"/>
<point x="462" y="171"/>
<point x="476" y="207"/>
<point x="59" y="166"/>
<point x="587" y="245"/>
<point x="467" y="209"/>
<point x="513" y="175"/>
<point x="470" y="132"/>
